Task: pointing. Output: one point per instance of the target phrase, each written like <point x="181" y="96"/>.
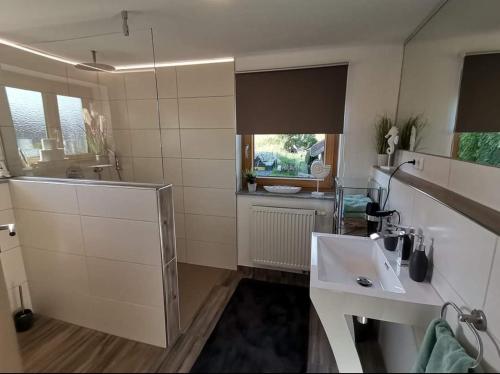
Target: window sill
<point x="300" y="195"/>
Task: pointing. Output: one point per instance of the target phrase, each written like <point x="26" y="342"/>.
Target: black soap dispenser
<point x="419" y="263"/>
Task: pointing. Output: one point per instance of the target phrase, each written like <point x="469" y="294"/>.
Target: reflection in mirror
<point x="58" y="119"/>
<point x="451" y="80"/>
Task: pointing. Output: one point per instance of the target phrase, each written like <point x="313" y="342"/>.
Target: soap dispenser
<point x="419" y="263"/>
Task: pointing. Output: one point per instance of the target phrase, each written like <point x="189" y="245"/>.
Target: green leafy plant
<point x="96" y="131"/>
<point x="382" y="127"/>
<point x="482" y="148"/>
<point x="405" y="132"/>
<point x="250" y="176"/>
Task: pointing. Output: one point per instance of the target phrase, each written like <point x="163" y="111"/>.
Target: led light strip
<point x="120" y="68"/>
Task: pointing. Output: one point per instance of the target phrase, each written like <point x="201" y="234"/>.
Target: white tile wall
<point x="99" y="267"/>
<point x="125" y="203"/>
<point x="148" y="170"/>
<point x="209" y="201"/>
<point x="128" y="282"/>
<point x="210" y="144"/>
<point x="465" y="255"/>
<point x="122" y="240"/>
<point x="50" y="231"/>
<point x="167" y="82"/>
<point x="146" y="143"/>
<point x="206" y="80"/>
<point x="211" y="254"/>
<point x="173" y="171"/>
<point x="169" y="113"/>
<point x="45" y="197"/>
<point x="209" y="173"/>
<point x="141" y="85"/>
<point x="143" y="114"/>
<point x="211" y="228"/>
<point x="207" y="112"/>
<point x="171" y="143"/>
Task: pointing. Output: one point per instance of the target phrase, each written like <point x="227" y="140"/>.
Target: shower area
<point x="91" y="136"/>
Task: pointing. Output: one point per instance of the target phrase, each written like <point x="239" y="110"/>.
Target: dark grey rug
<point x="264" y="329"/>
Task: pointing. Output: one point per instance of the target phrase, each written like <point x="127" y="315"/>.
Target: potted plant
<point x="251" y="178"/>
<point x="410" y="133"/>
<point x="382" y="127"/>
<point x="96" y="131"/>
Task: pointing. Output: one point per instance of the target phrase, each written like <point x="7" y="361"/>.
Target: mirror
<point x="450" y="85"/>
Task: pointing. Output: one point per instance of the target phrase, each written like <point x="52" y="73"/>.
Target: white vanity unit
<point x="101" y="255"/>
<point x="337" y="263"/>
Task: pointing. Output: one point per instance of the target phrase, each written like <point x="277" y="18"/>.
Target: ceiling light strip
<point x="174" y="63"/>
<point x="36" y="52"/>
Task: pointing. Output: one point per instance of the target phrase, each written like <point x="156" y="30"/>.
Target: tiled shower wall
<point x="194" y="149"/>
<point x="466" y="256"/>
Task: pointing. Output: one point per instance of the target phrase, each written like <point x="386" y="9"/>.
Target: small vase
<point x="382" y="159"/>
<point x="98" y="158"/>
<point x="252" y="187"/>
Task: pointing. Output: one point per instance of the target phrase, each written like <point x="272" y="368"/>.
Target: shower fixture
<point x="95" y="66"/>
<point x="125" y="28"/>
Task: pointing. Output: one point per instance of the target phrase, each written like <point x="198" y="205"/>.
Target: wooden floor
<point x="55" y="346"/>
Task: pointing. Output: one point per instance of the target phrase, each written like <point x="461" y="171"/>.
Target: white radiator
<point x="281" y="237"/>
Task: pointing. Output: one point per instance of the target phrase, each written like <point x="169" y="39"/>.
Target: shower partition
<point x="76" y="132"/>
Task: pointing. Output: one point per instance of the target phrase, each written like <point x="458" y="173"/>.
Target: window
<point x="478" y="147"/>
<point x="28" y="116"/>
<point x="286" y="158"/>
<point x="72" y="125"/>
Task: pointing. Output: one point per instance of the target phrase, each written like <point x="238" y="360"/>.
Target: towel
<point x="356" y="203"/>
<point x="441" y="352"/>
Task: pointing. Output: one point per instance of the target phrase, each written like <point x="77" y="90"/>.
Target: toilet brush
<point x="23" y="319"/>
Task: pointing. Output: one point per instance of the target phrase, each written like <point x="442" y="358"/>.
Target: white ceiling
<point x="192" y="29"/>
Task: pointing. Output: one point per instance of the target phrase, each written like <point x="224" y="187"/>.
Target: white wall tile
<point x="114" y="85"/>
<point x="178" y="192"/>
<point x="180" y="226"/>
<point x="402" y="199"/>
<point x="122" y="240"/>
<point x="209" y="173"/>
<point x="171" y="143"/>
<point x="211" y="229"/>
<point x="181" y="250"/>
<point x="169" y="113"/>
<point x="461" y="247"/>
<point x="6" y="241"/>
<point x="210" y="201"/>
<point x="113" y="202"/>
<point x="122" y="281"/>
<point x="211" y="254"/>
<point x="436" y="169"/>
<point x="119" y="114"/>
<point x="5" y="200"/>
<point x="167" y="82"/>
<point x="136" y="322"/>
<point x="140" y="85"/>
<point x="477" y="182"/>
<point x="206" y="80"/>
<point x="58" y="271"/>
<point x="207" y="112"/>
<point x="212" y="144"/>
<point x="143" y="114"/>
<point x="492" y="305"/>
<point x="123" y="142"/>
<point x="49" y="197"/>
<point x="173" y="171"/>
<point x="146" y="143"/>
<point x="67" y="306"/>
<point x="13" y="267"/>
<point x="50" y="231"/>
<point x="148" y="170"/>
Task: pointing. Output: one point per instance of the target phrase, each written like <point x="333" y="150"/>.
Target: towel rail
<point x="476" y="321"/>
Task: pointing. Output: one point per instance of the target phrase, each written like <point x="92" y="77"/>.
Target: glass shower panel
<point x="100" y="115"/>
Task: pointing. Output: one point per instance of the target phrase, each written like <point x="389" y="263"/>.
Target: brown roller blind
<point x="479" y="100"/>
<point x="299" y="101"/>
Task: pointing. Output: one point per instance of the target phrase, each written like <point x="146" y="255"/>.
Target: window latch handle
<point x="247" y="151"/>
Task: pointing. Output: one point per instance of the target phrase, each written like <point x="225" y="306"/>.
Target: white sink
<point x="341" y="260"/>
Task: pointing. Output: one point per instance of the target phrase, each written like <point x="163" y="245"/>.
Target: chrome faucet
<point x="11" y="227"/>
<point x="405" y="235"/>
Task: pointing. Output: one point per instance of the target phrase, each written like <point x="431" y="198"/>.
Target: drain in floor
<point x="364" y="281"/>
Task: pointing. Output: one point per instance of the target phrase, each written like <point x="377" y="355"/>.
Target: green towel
<point x="441" y="352"/>
<point x="356" y="203"/>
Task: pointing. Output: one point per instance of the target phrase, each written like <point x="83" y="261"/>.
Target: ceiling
<point x="195" y="29"/>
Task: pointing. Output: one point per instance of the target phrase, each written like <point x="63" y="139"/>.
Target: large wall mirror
<point x="450" y="85"/>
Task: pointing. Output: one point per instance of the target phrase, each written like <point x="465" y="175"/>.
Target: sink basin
<point x="349" y="261"/>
